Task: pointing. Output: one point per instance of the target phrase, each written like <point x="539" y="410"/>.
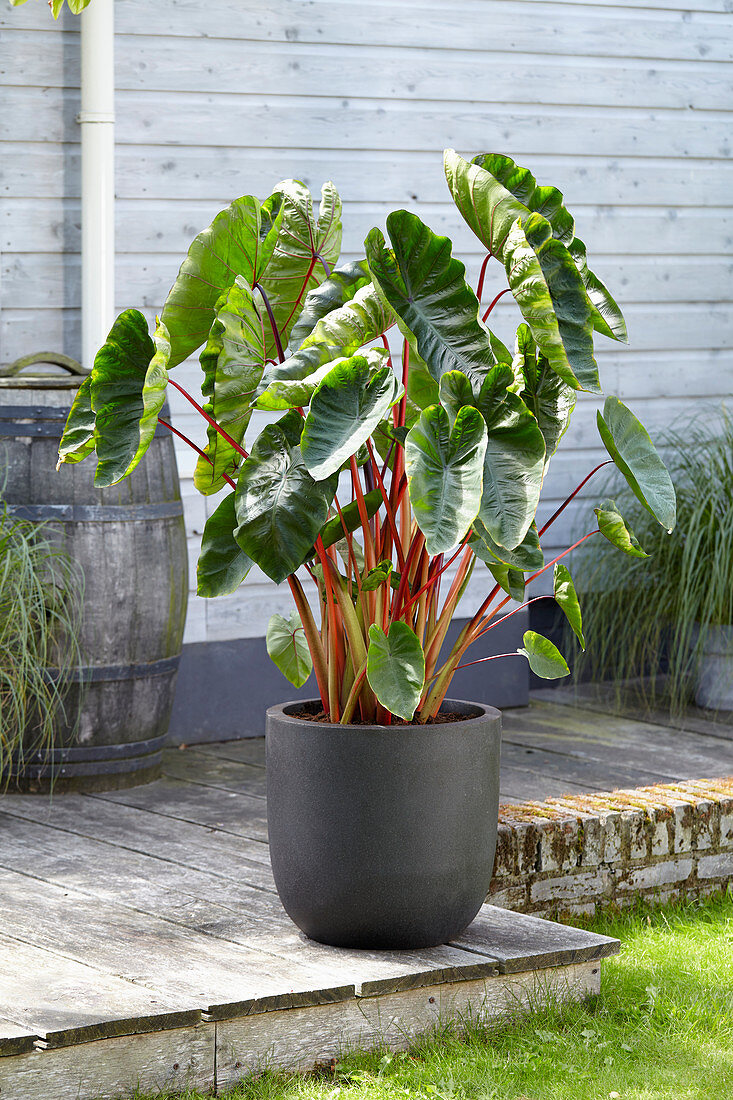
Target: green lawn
<point x="662" y="1028"/>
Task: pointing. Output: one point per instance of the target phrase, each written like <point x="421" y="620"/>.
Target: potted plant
<point x="665" y="628"/>
<point x="382" y="481"/>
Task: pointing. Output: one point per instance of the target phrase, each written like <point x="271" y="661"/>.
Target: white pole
<point x="97" y="176"/>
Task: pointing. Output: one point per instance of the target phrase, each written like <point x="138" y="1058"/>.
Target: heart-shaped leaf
<point x="396" y="668"/>
<point x="567" y="599"/>
<point x="613" y="526"/>
<point x="153" y="393"/>
<point x="511" y="580"/>
<point x="116" y="389"/>
<point x="232" y="362"/>
<point x="549" y="291"/>
<point x="545" y="659"/>
<point x="288" y="648"/>
<point x="280" y="507"/>
<point x="629" y="445"/>
<point x="336" y="336"/>
<point x="515" y="452"/>
<point x="222" y="564"/>
<point x="377" y="576"/>
<point x="334" y="292"/>
<point x="492" y="188"/>
<point x="548" y="398"/>
<point x="239" y="241"/>
<point x="344" y="411"/>
<point x="303" y="241"/>
<point x="526" y="557"/>
<point x="77" y="440"/>
<point x="427" y="288"/>
<point x="445" y="474"/>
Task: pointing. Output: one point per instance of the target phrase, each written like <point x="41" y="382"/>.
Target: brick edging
<point x="573" y="853"/>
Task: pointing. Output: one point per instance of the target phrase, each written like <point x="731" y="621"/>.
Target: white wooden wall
<point x="626" y="105"/>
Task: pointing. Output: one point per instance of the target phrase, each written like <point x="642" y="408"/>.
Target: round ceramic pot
<point x="383" y="837"/>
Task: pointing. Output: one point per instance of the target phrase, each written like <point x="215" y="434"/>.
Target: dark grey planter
<point x="383" y="837"/>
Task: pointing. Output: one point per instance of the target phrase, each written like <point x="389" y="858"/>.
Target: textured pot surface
<point x="383" y="837"/>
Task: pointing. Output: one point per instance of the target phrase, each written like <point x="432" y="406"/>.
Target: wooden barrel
<point x="131" y="544"/>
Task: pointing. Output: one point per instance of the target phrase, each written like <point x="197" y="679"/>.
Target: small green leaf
<point x="344" y="411"/>
<point x="629" y="445"/>
<point x="377" y="576"/>
<point x="526" y="557"/>
<point x="340" y="288"/>
<point x="545" y="659"/>
<point x="550" y="400"/>
<point x="511" y="580"/>
<point x="445" y="474"/>
<point x="222" y="564"/>
<point x="567" y="599"/>
<point x="77" y="440"/>
<point x="288" y="648"/>
<point x="396" y="668"/>
<point x="613" y="526"/>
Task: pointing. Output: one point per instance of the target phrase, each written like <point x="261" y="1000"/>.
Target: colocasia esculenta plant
<point x="382" y="472"/>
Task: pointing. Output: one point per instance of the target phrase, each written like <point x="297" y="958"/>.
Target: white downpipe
<point x="97" y="176"/>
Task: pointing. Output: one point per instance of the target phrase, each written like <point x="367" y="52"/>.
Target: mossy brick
<point x="661" y="835"/>
<point x="510" y="897"/>
<point x="725" y="811"/>
<point x="571" y="888"/>
<point x="684" y="827"/>
<point x="505" y="862"/>
<point x="591" y="841"/>
<point x="528" y="847"/>
<point x="707" y="825"/>
<point x="635" y="827"/>
<point x="612" y="825"/>
<point x="560" y="845"/>
<point x="663" y="873"/>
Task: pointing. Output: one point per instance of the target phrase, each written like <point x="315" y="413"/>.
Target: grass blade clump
<point x="41" y="604"/>
<point x="648" y="621"/>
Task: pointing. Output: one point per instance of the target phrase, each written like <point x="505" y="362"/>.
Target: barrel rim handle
<point x="56" y="358"/>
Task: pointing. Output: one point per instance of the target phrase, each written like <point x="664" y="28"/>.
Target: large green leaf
<point x="153" y="394"/>
<point x="344" y="411"/>
<point x="239" y="241"/>
<point x="334" y="292"/>
<point x="545" y="659"/>
<point x="295" y="268"/>
<point x="222" y="564"/>
<point x="396" y="668"/>
<point x="515" y="452"/>
<point x="550" y="400"/>
<point x="614" y="527"/>
<point x="629" y="445"/>
<point x="426" y="287"/>
<point x="232" y="362"/>
<point x="280" y="507"/>
<point x="526" y="557"/>
<point x="77" y="440"/>
<point x="338" y="334"/>
<point x="567" y="599"/>
<point x="117" y="381"/>
<point x="288" y="648"/>
<point x="493" y="191"/>
<point x="549" y="292"/>
<point x="445" y="471"/>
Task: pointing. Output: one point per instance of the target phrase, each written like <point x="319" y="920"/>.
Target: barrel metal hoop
<point x="97" y="674"/>
<point x="78" y="753"/>
<point x="96" y="513"/>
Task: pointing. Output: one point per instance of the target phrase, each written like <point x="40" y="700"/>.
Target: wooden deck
<point x="141" y="936"/>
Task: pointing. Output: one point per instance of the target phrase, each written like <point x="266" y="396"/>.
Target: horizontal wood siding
<point x="625" y="105"/>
